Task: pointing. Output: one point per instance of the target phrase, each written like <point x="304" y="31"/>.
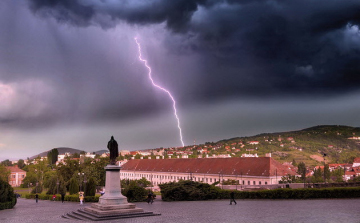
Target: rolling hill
<point x="61" y="150"/>
<point x="339" y="143"/>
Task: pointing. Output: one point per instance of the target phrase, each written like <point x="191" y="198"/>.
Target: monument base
<point x="112" y="205"/>
<point x="100" y="209"/>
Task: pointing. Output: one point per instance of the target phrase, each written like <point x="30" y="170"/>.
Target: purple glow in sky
<point x="68" y="76"/>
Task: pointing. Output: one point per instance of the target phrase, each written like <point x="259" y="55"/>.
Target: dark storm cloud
<point x="175" y="13"/>
<point x="249" y="47"/>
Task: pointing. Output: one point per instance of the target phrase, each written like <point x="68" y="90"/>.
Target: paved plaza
<point x="339" y="210"/>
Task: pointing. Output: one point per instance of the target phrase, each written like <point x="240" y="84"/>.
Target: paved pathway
<point x="339" y="210"/>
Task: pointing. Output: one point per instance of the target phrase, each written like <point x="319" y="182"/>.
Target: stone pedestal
<point x="113" y="202"/>
<point x="112" y="194"/>
<point x="112" y="205"/>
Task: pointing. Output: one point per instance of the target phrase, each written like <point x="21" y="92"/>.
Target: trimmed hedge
<point x="72" y="198"/>
<point x="307" y="193"/>
<point x="191" y="191"/>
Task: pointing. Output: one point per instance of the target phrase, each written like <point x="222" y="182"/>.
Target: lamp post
<point x="85" y="181"/>
<point x="151" y="182"/>
<point x="29" y="184"/>
<point x="80" y="183"/>
<point x="236" y="181"/>
<point x="324" y="168"/>
<point x="241" y="181"/>
<point x="57" y="186"/>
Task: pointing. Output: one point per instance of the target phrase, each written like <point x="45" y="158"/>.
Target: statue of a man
<point x="113" y="148"/>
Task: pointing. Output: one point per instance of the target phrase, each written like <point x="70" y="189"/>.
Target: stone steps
<point x="82" y="214"/>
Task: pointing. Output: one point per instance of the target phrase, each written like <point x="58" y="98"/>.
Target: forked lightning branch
<point x="161" y="88"/>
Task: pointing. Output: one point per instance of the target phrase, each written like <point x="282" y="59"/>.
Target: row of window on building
<point x="156" y="179"/>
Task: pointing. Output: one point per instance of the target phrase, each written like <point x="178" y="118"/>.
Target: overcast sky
<point x="70" y="75"/>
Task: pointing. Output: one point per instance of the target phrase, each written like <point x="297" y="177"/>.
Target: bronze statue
<point x="113" y="148"/>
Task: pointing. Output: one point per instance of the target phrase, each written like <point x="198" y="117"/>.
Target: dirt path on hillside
<point x="317" y="158"/>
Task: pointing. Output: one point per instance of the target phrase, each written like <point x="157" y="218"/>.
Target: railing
<point x="326" y="185"/>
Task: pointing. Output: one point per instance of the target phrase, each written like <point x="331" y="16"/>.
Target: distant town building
<point x="124" y="152"/>
<point x="356" y="162"/>
<point x="17" y="175"/>
<point x="249" y="155"/>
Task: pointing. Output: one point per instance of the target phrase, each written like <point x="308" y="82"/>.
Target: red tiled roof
<point x="252" y="166"/>
<point x="336" y="165"/>
<point x="357" y="160"/>
<point x="15" y="168"/>
<point x="349" y="172"/>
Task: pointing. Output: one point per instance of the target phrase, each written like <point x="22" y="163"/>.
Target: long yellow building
<point x="246" y="171"/>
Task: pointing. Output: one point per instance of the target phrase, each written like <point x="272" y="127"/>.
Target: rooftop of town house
<point x="252" y="166"/>
<point x="357" y="160"/>
<point x="338" y="164"/>
<point x="14" y="169"/>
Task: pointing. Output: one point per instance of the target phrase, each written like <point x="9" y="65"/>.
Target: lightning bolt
<point x="161" y="88"/>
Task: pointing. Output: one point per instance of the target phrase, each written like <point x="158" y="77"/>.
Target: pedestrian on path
<point x="81" y="197"/>
<point x="62" y="197"/>
<point x="232" y="198"/>
<point x="36" y="197"/>
<point x="150" y="198"/>
<point x="54" y="197"/>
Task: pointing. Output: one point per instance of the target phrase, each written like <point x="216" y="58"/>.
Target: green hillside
<point x="306" y="145"/>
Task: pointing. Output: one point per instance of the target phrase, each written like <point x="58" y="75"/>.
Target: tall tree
<point x="6" y="163"/>
<point x="294" y="163"/>
<point x="52" y="156"/>
<point x="326" y="172"/>
<point x="318" y="176"/>
<point x="73" y="186"/>
<point x="68" y="169"/>
<point x="21" y="163"/>
<point x="90" y="187"/>
<point x="302" y="170"/>
<point x="4" y="173"/>
<point x="30" y="179"/>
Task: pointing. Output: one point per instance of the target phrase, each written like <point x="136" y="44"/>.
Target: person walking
<point x="54" y="197"/>
<point x="62" y="197"/>
<point x="232" y="198"/>
<point x="36" y="197"/>
<point x="150" y="198"/>
<point x="81" y="197"/>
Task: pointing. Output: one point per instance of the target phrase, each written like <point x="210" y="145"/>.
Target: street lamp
<point x="57" y="186"/>
<point x="80" y="183"/>
<point x="85" y="184"/>
<point x="29" y="184"/>
<point x="324" y="168"/>
<point x="241" y="181"/>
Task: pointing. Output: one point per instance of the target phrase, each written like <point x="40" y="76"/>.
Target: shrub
<point x="134" y="193"/>
<point x="186" y="190"/>
<point x="37" y="189"/>
<point x="7" y="196"/>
